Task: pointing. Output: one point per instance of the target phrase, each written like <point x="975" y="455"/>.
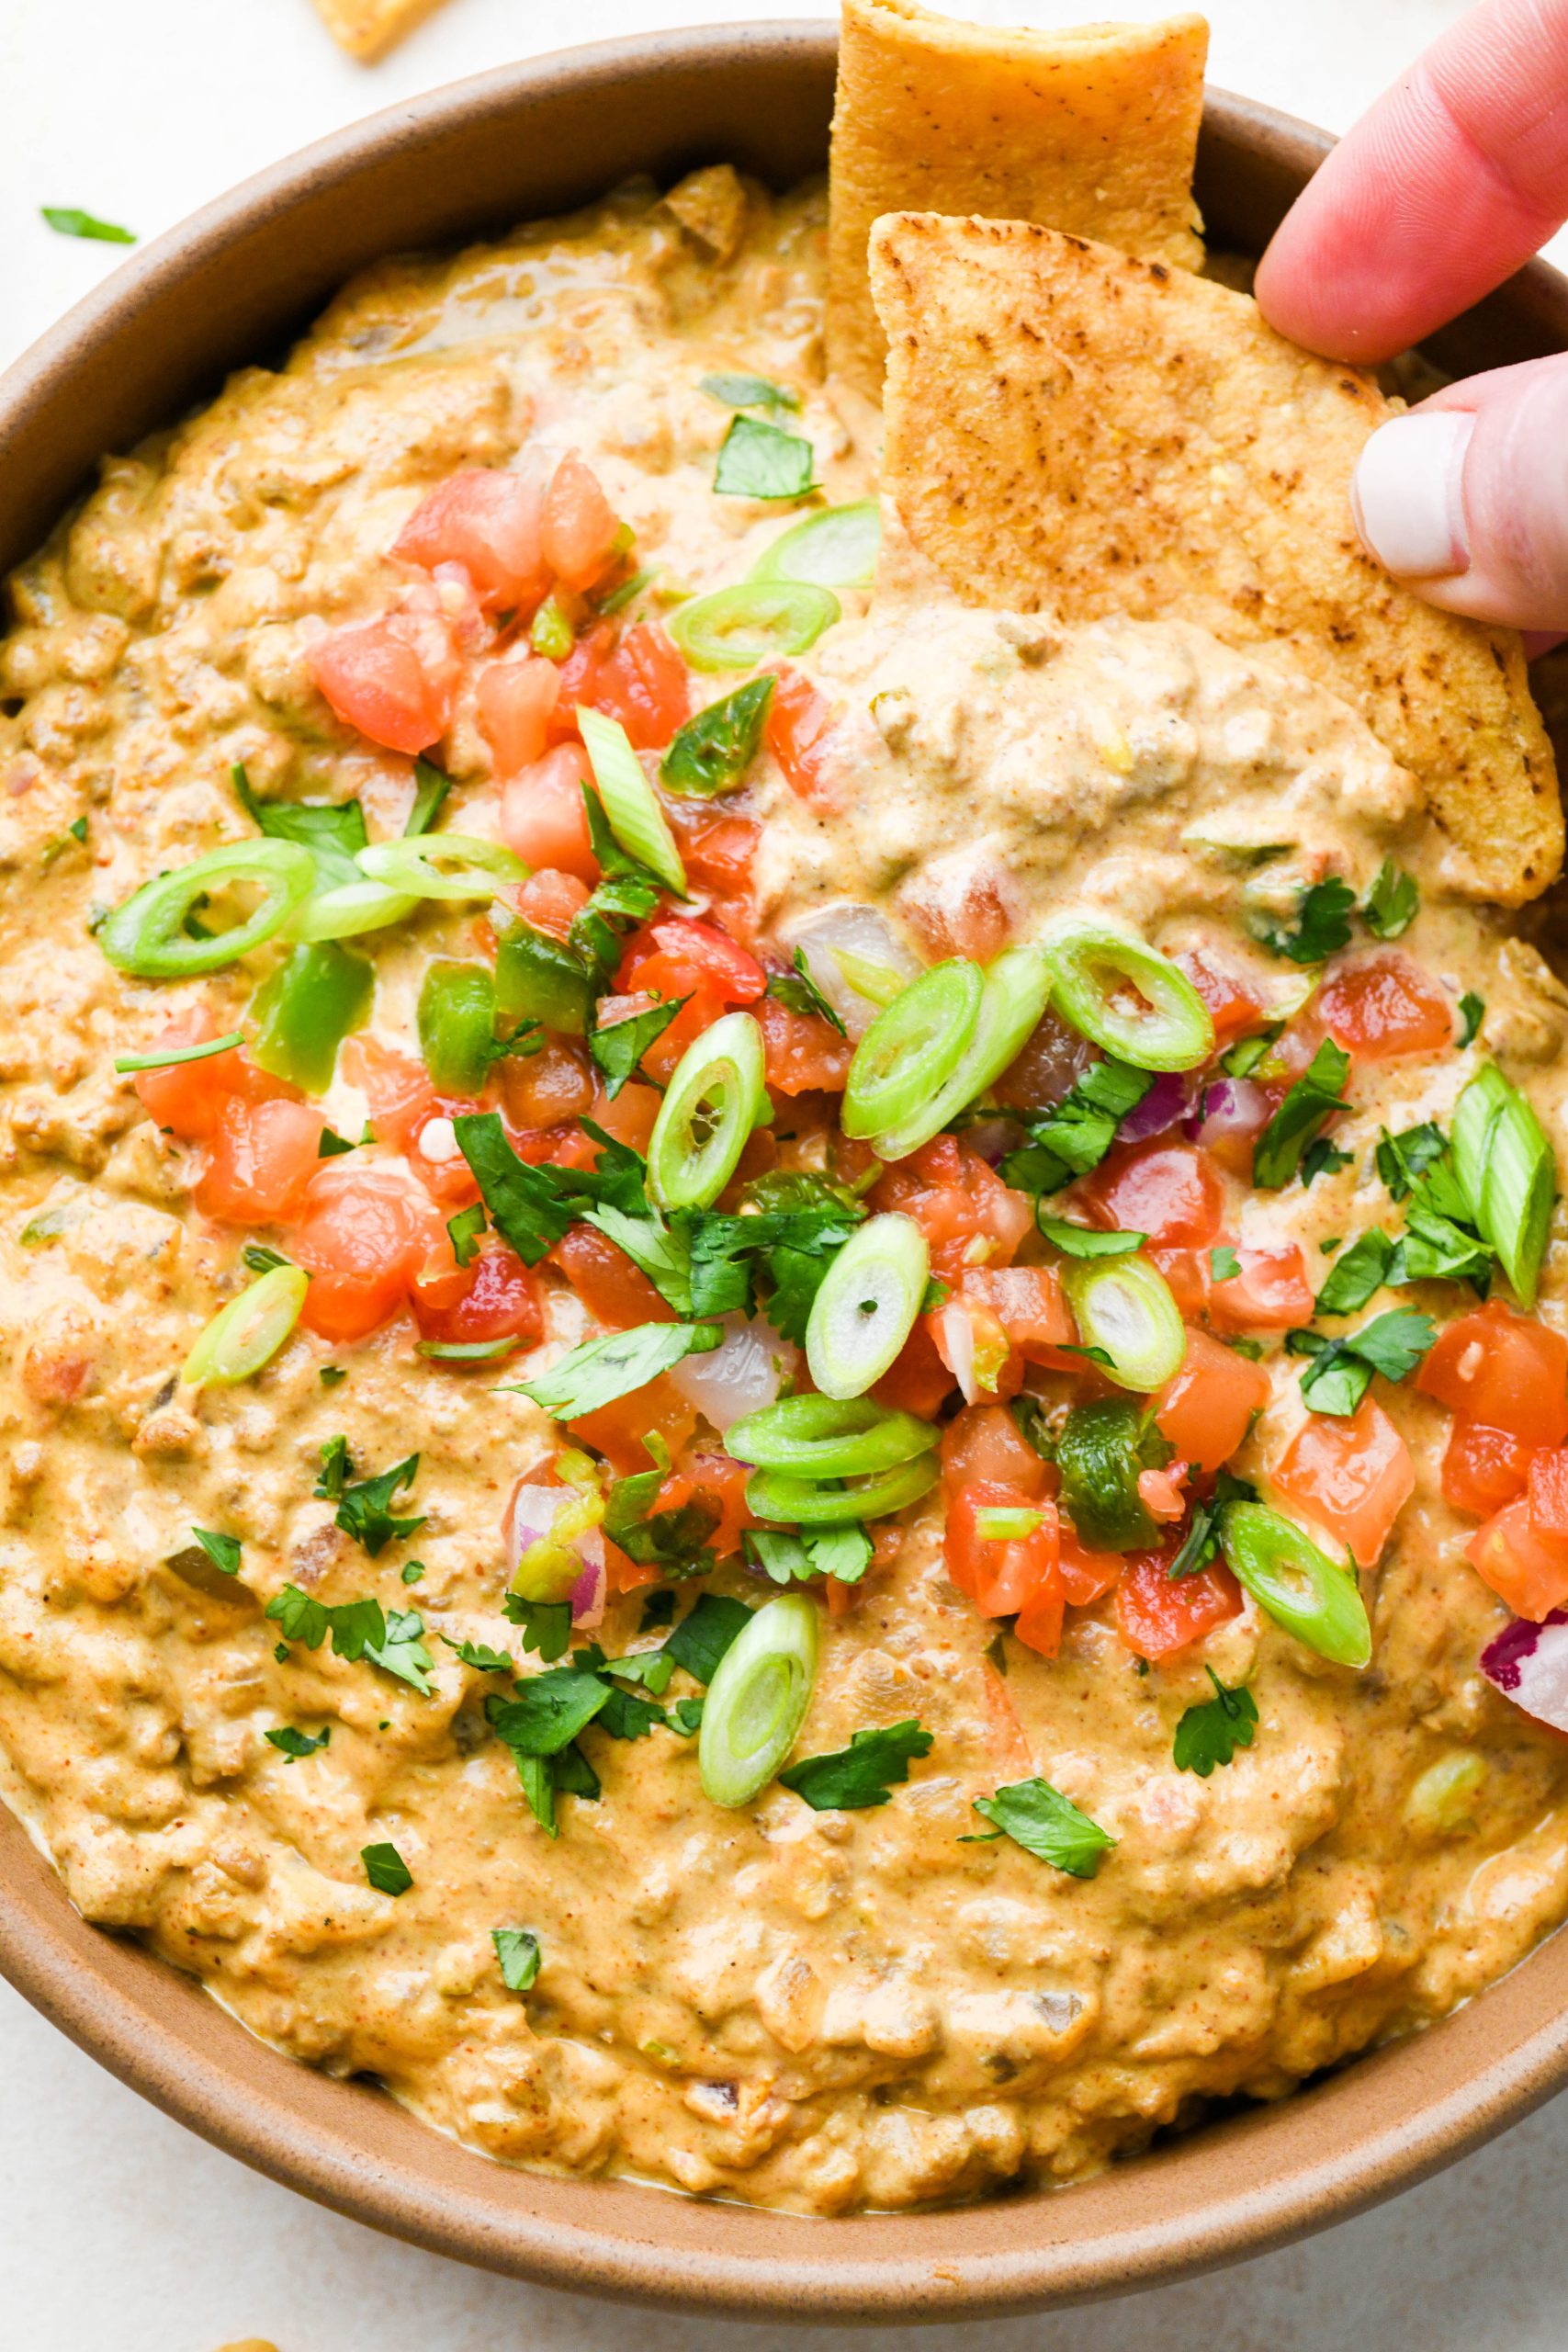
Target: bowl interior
<point x="230" y="287"/>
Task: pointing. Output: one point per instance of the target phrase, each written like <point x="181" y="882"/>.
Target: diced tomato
<point x="1546" y="1485"/>
<point x="983" y="1442"/>
<point x="1162" y="1493"/>
<point x="999" y="1574"/>
<point x="1187" y="1278"/>
<point x="501" y="1303"/>
<point x="1027" y="1302"/>
<point x="617" y="1431"/>
<point x="1527" y="1569"/>
<point x="259" y="1161"/>
<point x="1270" y="1293"/>
<point x="580" y="524"/>
<point x="567" y="1145"/>
<point x="489" y="521"/>
<point x="1206" y="1407"/>
<point x="580" y="678"/>
<point x="717" y="853"/>
<point x="1380" y="1005"/>
<point x="1011" y="1757"/>
<point x="674" y="958"/>
<point x="362" y="1234"/>
<point x="1172" y="1192"/>
<point x="551" y="901"/>
<point x="393" y="679"/>
<point x="1352" y="1473"/>
<point x="1087" y="1575"/>
<point x="1484" y="1468"/>
<point x="797" y="732"/>
<point x="397" y="1089"/>
<point x="1156" y="1616"/>
<point x="975" y="921"/>
<point x="804" y="1052"/>
<point x="719" y="1481"/>
<point x="512" y="702"/>
<point x="916" y="1381"/>
<point x="187" y="1098"/>
<point x="446" y="1177"/>
<point x="543" y="818"/>
<point x="710" y="957"/>
<point x="968" y="1215"/>
<point x="544" y="1089"/>
<point x="644" y="685"/>
<point x="614" y="1292"/>
<point x="631" y="1116"/>
<point x="1232" y="1006"/>
<point x="1504" y="1369"/>
<point x="1052" y="1060"/>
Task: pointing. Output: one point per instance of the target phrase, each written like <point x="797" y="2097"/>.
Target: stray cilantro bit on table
<point x="864" y="1773"/>
<point x="1045" y="1823"/>
<point x="518" y="1952"/>
<point x="69" y="220"/>
<point x="386" y="1869"/>
<point x="758" y="460"/>
<point x="1210" y="1731"/>
<point x="295" y="1744"/>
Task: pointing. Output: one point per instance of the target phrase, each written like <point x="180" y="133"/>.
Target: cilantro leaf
<point x="656" y="1249"/>
<point x="673" y="1539"/>
<point x="1394" y="1343"/>
<point x="1311" y="1102"/>
<point x="525" y="1202"/>
<point x="600" y="1371"/>
<point x="299" y="1615"/>
<point x="624" y="1715"/>
<point x="1402" y="1159"/>
<point x="704" y="1635"/>
<point x="864" y="1773"/>
<point x="686" y="1716"/>
<point x="1341" y="1371"/>
<point x="618" y="1049"/>
<point x="1210" y="1731"/>
<point x="482" y="1657"/>
<point x="545" y="1625"/>
<point x="1076" y="1133"/>
<point x="1322" y="1158"/>
<point x="800" y="992"/>
<point x="1201" y="1544"/>
<point x="365" y="1507"/>
<point x="360" y="1629"/>
<point x="1048" y="1824"/>
<point x="757" y="460"/>
<point x="1361" y="1274"/>
<point x="70" y="220"/>
<point x="548" y="1709"/>
<point x="401" y="1651"/>
<point x="331" y="830"/>
<point x="223" y="1551"/>
<point x="431" y="787"/>
<point x="713" y="750"/>
<point x="840" y="1552"/>
<point x="1392" y="902"/>
<point x="518" y="1954"/>
<point x="1087" y="1240"/>
<point x="1472" y="1013"/>
<point x="386" y="1869"/>
<point x="464" y="1231"/>
<point x="1223" y="1263"/>
<point x="1322" y="923"/>
<point x="747" y="392"/>
<point x="295" y="1744"/>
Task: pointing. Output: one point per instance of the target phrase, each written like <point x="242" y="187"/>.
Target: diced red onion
<point x="953" y="1332"/>
<point x="1230" y="1107"/>
<point x="588" y="1593"/>
<point x="740" y="1375"/>
<point x="532" y="1514"/>
<point x="1171" y="1098"/>
<point x="1528" y="1664"/>
<point x="861" y="931"/>
<point x="992" y="1139"/>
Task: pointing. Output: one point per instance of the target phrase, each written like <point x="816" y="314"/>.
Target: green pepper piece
<point x="1102" y="1449"/>
<point x="307" y="1009"/>
<point x="457" y="1026"/>
<point x="538" y="980"/>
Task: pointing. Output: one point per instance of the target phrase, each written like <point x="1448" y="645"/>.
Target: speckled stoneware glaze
<point x="231" y="286"/>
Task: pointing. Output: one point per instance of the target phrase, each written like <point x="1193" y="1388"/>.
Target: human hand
<point x="1452" y="181"/>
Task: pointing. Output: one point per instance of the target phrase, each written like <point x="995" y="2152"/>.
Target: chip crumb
<point x="368" y="28"/>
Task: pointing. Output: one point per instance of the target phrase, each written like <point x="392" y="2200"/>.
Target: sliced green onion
<point x="1296" y="1584"/>
<point x="456" y="1026"/>
<point x="912" y="1048"/>
<point x="351" y="908"/>
<point x="1000" y="1525"/>
<point x="837" y="549"/>
<point x="717" y="1096"/>
<point x="1125" y="1305"/>
<point x="550" y="631"/>
<point x="246" y="1334"/>
<point x="468" y="1351"/>
<point x="1095" y="965"/>
<point x="867" y="1305"/>
<point x="1507" y="1171"/>
<point x="635" y="817"/>
<point x="802" y="1502"/>
<point x="443" y="865"/>
<point x="146" y="935"/>
<point x="1102" y="1449"/>
<point x="757" y="1700"/>
<point x="169" y="1056"/>
<point x="736" y="628"/>
<point x="827" y="1437"/>
<point x="537" y="978"/>
<point x="878" y="983"/>
<point x="1474" y="1112"/>
<point x="306" y="1010"/>
<point x="1017" y="986"/>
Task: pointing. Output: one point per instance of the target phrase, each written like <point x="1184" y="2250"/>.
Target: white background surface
<point x="118" y="2231"/>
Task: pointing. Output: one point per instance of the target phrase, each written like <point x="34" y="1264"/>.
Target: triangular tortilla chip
<point x="1092" y="129"/>
<point x="1072" y="430"/>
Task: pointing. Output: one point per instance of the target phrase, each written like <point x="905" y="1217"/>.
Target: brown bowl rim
<point x="1232" y="2189"/>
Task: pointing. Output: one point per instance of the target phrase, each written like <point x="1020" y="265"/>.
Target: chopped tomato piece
<point x="983" y="1442"/>
<point x="718" y="853"/>
<point x="1087" y="1575"/>
<point x="1484" y="1468"/>
<point x="617" y="1431"/>
<point x="643" y="683"/>
<point x="1187" y="1278"/>
<point x="1206" y="1407"/>
<point x="804" y="1052"/>
<point x="260" y="1159"/>
<point x="543" y="818"/>
<point x="360" y="1234"/>
<point x="1038" y="1624"/>
<point x="977" y="922"/>
<point x="397" y="1089"/>
<point x="501" y="1303"/>
<point x="187" y="1098"/>
<point x="999" y="1574"/>
<point x="719" y="1481"/>
<point x="544" y="1089"/>
<point x="1027" y="1302"/>
<point x="1504" y="1369"/>
<point x="675" y="959"/>
<point x="512" y="702"/>
<point x="1526" y="1568"/>
<point x="711" y="958"/>
<point x="916" y="1381"/>
<point x="1270" y="1293"/>
<point x="551" y="901"/>
<point x="489" y="520"/>
<point x="1547" y="1484"/>
<point x="1172" y="1192"/>
<point x="630" y="1118"/>
<point x="1156" y="1616"/>
<point x="579" y="525"/>
<point x="1232" y="1006"/>
<point x="614" y="1292"/>
<point x="580" y="678"/>
<point x="1352" y="1473"/>
<point x="1380" y="1005"/>
<point x="968" y="1215"/>
<point x="797" y="731"/>
<point x="393" y="679"/>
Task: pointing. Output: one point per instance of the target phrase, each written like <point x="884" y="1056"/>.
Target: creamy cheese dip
<point x="824" y="2010"/>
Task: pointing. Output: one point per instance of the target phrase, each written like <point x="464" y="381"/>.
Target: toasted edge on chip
<point x="1071" y="430"/>
<point x="1092" y="129"/>
<point x="368" y="28"/>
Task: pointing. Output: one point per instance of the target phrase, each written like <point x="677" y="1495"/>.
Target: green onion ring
<point x="146" y="935"/>
<point x="824" y="1437"/>
<point x="717" y="1096"/>
<point x="1296" y="1584"/>
<point x="736" y="628"/>
<point x="1173" y="1030"/>
<point x="246" y="1334"/>
<point x="835" y="549"/>
<point x="757" y="1700"/>
<point x="635" y="816"/>
<point x="867" y="1305"/>
<point x="442" y="866"/>
<point x="801" y="1502"/>
<point x="1508" y="1173"/>
<point x="1016" y="989"/>
<point x="348" y="909"/>
<point x="912" y="1048"/>
<point x="1125" y="1305"/>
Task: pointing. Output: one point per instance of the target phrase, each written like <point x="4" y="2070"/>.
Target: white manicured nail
<point x="1408" y="494"/>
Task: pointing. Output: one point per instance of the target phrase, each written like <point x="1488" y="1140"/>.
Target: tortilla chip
<point x="1073" y="430"/>
<point x="368" y="28"/>
<point x="1093" y="131"/>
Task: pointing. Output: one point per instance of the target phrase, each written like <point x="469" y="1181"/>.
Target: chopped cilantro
<point x="600" y="1371"/>
<point x="331" y="830"/>
<point x="1341" y="1370"/>
<point x="1223" y="1263"/>
<point x="411" y="1571"/>
<point x="1047" y="1824"/>
<point x="464" y="1231"/>
<point x="1323" y="1159"/>
<point x="864" y="1773"/>
<point x="481" y="1656"/>
<point x="712" y="752"/>
<point x="1087" y="1240"/>
<point x="1360" y="1274"/>
<point x="331" y="1145"/>
<point x="1322" y="923"/>
<point x="1311" y="1101"/>
<point x="800" y="992"/>
<point x="1201" y="1544"/>
<point x="758" y="460"/>
<point x="674" y="1540"/>
<point x="518" y="1954"/>
<point x="548" y="1709"/>
<point x="704" y="1635"/>
<point x="364" y="1506"/>
<point x="281" y="1652"/>
<point x="386" y="1869"/>
<point x="532" y="1206"/>
<point x="840" y="1552"/>
<point x="686" y="1716"/>
<point x="658" y="1609"/>
<point x="747" y="392"/>
<point x="1076" y="1133"/>
<point x="295" y="1744"/>
<point x="223" y="1551"/>
<point x="545" y="1625"/>
<point x="1210" y="1733"/>
<point x="393" y="1640"/>
<point x="1392" y="902"/>
<point x="1472" y="1013"/>
<point x="618" y="1049"/>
